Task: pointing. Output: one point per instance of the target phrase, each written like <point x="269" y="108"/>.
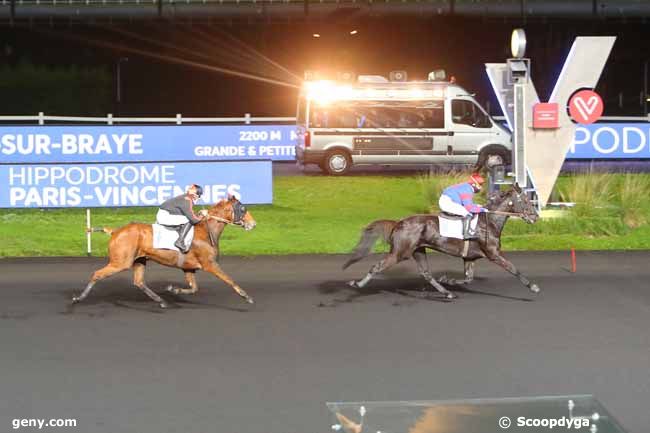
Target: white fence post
<point x="41" y="118"/>
<point x="179" y="119"/>
<point x="247" y="116"/>
<point x="109" y="118"/>
<point x="89" y="229"/>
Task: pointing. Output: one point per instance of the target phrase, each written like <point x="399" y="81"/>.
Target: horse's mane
<point x="497" y="197"/>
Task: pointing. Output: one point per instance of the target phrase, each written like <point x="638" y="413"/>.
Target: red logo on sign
<point x="586" y="106"/>
<point x="545" y="115"/>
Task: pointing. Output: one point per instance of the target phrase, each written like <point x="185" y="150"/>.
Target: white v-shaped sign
<point x="546" y="149"/>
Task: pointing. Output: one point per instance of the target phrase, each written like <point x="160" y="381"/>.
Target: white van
<point x="377" y="121"/>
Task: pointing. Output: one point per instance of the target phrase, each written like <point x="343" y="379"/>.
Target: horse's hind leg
<point x="100" y="274"/>
<point x="388" y="261"/>
<point x="420" y="257"/>
<point x="138" y="281"/>
<point x="191" y="282"/>
<point x="469" y="275"/>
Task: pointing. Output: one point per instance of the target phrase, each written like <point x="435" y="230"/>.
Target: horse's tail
<point x="368" y="238"/>
<point x="107" y="230"/>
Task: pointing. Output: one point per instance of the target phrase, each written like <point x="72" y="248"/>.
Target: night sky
<point x="155" y="86"/>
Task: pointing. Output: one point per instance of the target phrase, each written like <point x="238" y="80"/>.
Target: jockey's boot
<point x="180" y="242"/>
<point x="468" y="233"/>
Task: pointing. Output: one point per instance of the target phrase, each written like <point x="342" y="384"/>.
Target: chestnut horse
<point x="132" y="245"/>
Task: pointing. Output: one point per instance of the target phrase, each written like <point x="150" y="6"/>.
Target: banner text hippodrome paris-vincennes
<point x="109" y="166"/>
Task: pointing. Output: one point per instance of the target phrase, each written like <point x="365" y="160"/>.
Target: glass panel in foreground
<point x="580" y="413"/>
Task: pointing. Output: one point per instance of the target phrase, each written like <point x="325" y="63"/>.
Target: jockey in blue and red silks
<point x="458" y="200"/>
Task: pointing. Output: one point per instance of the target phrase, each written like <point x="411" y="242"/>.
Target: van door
<point x="471" y="128"/>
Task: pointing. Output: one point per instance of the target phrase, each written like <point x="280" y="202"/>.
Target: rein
<point x="512" y="214"/>
<point x="221" y="220"/>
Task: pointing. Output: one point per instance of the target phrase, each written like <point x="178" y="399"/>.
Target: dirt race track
<point x="212" y="363"/>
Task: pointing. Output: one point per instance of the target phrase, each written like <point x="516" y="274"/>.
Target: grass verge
<point x="326" y="215"/>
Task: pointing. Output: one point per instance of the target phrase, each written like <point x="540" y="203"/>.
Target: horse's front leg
<point x="508" y="266"/>
<point x="190" y="279"/>
<point x="214" y="269"/>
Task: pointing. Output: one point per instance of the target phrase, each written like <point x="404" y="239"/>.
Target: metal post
<point x="519" y="136"/>
<point x="88" y="234"/>
<point x="645" y="88"/>
<point x="119" y="82"/>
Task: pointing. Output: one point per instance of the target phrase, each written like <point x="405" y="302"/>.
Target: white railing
<point x="247" y="119"/>
<point x="605" y="118"/>
<point x="41" y="118"/>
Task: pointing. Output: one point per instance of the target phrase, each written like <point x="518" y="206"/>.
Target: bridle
<point x="239" y="208"/>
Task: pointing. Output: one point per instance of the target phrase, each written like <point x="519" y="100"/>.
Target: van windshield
<point x="411" y="114"/>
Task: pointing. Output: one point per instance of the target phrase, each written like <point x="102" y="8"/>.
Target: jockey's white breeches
<point x="166" y="219"/>
<point x="446" y="204"/>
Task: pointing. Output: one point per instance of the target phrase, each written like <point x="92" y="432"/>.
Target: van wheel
<point x="491" y="158"/>
<point x="337" y="162"/>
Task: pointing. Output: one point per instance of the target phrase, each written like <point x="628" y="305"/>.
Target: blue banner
<point x="611" y="141"/>
<point x="124" y="184"/>
<point x="62" y="144"/>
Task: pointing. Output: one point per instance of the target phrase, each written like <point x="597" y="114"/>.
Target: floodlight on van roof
<point x="438" y="75"/>
<point x="398" y="76"/>
<point x="324" y="92"/>
<point x="346" y="76"/>
<point x="372" y="79"/>
<point x="311" y="75"/>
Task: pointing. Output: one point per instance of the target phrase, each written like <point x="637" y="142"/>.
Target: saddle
<point x="164" y="237"/>
<point x="451" y="216"/>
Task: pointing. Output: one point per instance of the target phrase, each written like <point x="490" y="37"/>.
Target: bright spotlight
<point x="316" y="35"/>
<point x="354" y="32"/>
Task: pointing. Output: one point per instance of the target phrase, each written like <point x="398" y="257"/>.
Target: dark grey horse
<point x="411" y="236"/>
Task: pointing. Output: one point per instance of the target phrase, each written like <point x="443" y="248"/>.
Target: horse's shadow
<point x="131" y="298"/>
<point x="412" y="288"/>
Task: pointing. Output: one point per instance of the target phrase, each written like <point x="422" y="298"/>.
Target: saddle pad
<point x="164" y="237"/>
<point x="450" y="228"/>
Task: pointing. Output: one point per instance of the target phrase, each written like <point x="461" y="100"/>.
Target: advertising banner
<point x="143" y="143"/>
<point x="131" y="184"/>
<point x="611" y="141"/>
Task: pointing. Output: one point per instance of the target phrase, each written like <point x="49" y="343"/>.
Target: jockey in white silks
<point x="178" y="212"/>
<point x="458" y="200"/>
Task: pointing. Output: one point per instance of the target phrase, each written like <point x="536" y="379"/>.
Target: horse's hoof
<point x="172" y="289"/>
<point x="451" y="296"/>
<point x="443" y="279"/>
<point x="164" y="305"/>
<point x="353" y="284"/>
<point x="534" y="288"/>
<point x="76" y="300"/>
<point x="249" y="299"/>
